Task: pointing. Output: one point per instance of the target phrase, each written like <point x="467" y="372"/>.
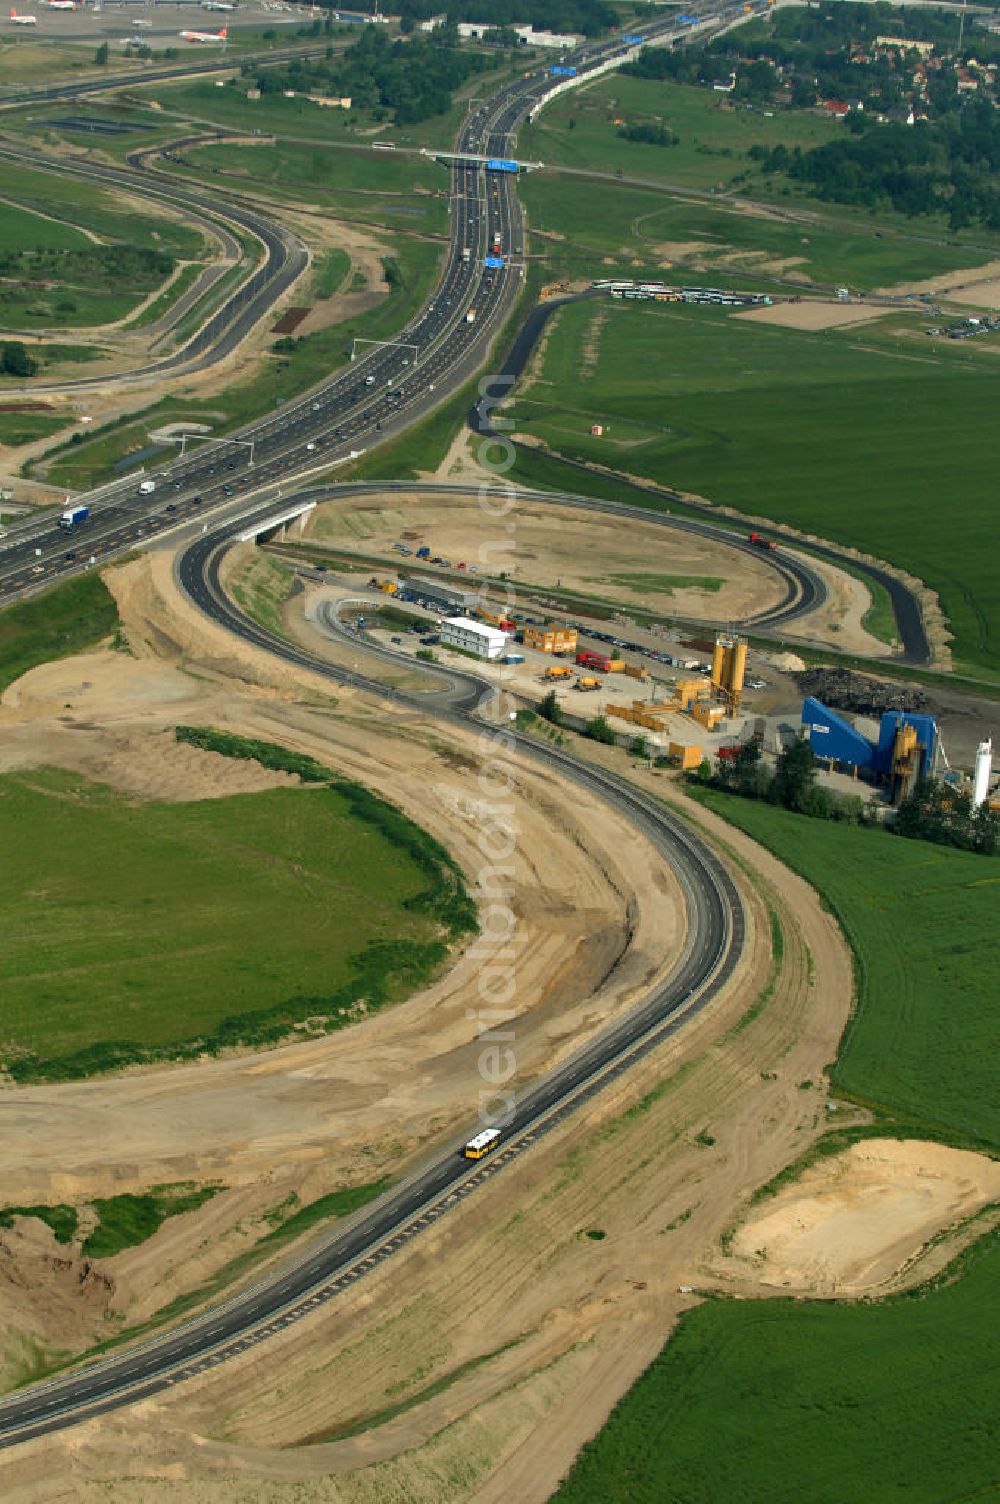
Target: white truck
<point x="147" y="487"/>
<point x="470" y="317"/>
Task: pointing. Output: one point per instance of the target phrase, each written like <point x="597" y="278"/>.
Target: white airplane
<point x="204" y="36"/>
<point x="22" y="20"/>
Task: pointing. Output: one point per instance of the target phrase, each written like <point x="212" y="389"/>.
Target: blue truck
<point x="73" y="516"/>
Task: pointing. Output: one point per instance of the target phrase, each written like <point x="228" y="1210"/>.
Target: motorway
<point x="376" y="397"/>
<point x="711" y="950"/>
<point x="380" y="394"/>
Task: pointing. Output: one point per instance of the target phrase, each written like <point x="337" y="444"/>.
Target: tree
<point x="550" y="709"/>
<point x="599" y="731"/>
<point x="986" y="831"/>
<point x="101" y="55"/>
<point x="795" y="776"/>
<point x="15" y="360"/>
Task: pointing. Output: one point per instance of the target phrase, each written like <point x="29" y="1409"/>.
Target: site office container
<point x="551" y="639"/>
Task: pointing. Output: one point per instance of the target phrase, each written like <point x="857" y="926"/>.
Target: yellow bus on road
<point x="483" y="1142"/>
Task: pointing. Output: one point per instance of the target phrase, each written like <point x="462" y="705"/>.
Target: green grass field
<point x="783" y="1402"/>
<point x="26" y="428"/>
<point x="330" y="271"/>
<point x="777" y="1401"/>
<point x="362" y="186"/>
<point x="128" y="1220"/>
<point x="30" y="60"/>
<point x="84" y="205"/>
<point x="712" y="141"/>
<point x="24" y="230"/>
<point x="143" y="931"/>
<point x="66" y="619"/>
<point x="870" y="437"/>
<point x="920" y="919"/>
<point x="640" y="231"/>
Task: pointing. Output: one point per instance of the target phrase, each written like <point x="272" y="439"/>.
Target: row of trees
<point x="933" y="812"/>
<point x="650" y="133"/>
<point x="414" y="80"/>
<point x="948" y="166"/>
<point x="937" y="812"/>
<point x="588" y="17"/>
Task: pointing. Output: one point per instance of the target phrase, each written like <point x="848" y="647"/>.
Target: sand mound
<point x="813" y="314"/>
<point x="853" y="1220"/>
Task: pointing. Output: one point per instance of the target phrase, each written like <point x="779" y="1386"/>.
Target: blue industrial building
<point x="835" y="740"/>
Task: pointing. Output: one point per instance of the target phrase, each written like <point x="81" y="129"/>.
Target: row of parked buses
<point x="659" y="292"/>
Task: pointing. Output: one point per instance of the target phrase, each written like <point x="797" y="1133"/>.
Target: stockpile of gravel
<point x="842" y="689"/>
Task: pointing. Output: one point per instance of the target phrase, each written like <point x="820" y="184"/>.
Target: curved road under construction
<point x="712" y="947"/>
<point x="383" y="394"/>
<point x="285" y="259"/>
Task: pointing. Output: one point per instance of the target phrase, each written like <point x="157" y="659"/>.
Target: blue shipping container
<point x="634" y="41"/>
<point x="493" y="262"/>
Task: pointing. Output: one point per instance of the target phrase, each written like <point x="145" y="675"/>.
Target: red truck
<point x="599" y="661"/>
<point x="759" y="542"/>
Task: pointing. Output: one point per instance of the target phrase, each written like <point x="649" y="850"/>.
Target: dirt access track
<point x="473" y="1365"/>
